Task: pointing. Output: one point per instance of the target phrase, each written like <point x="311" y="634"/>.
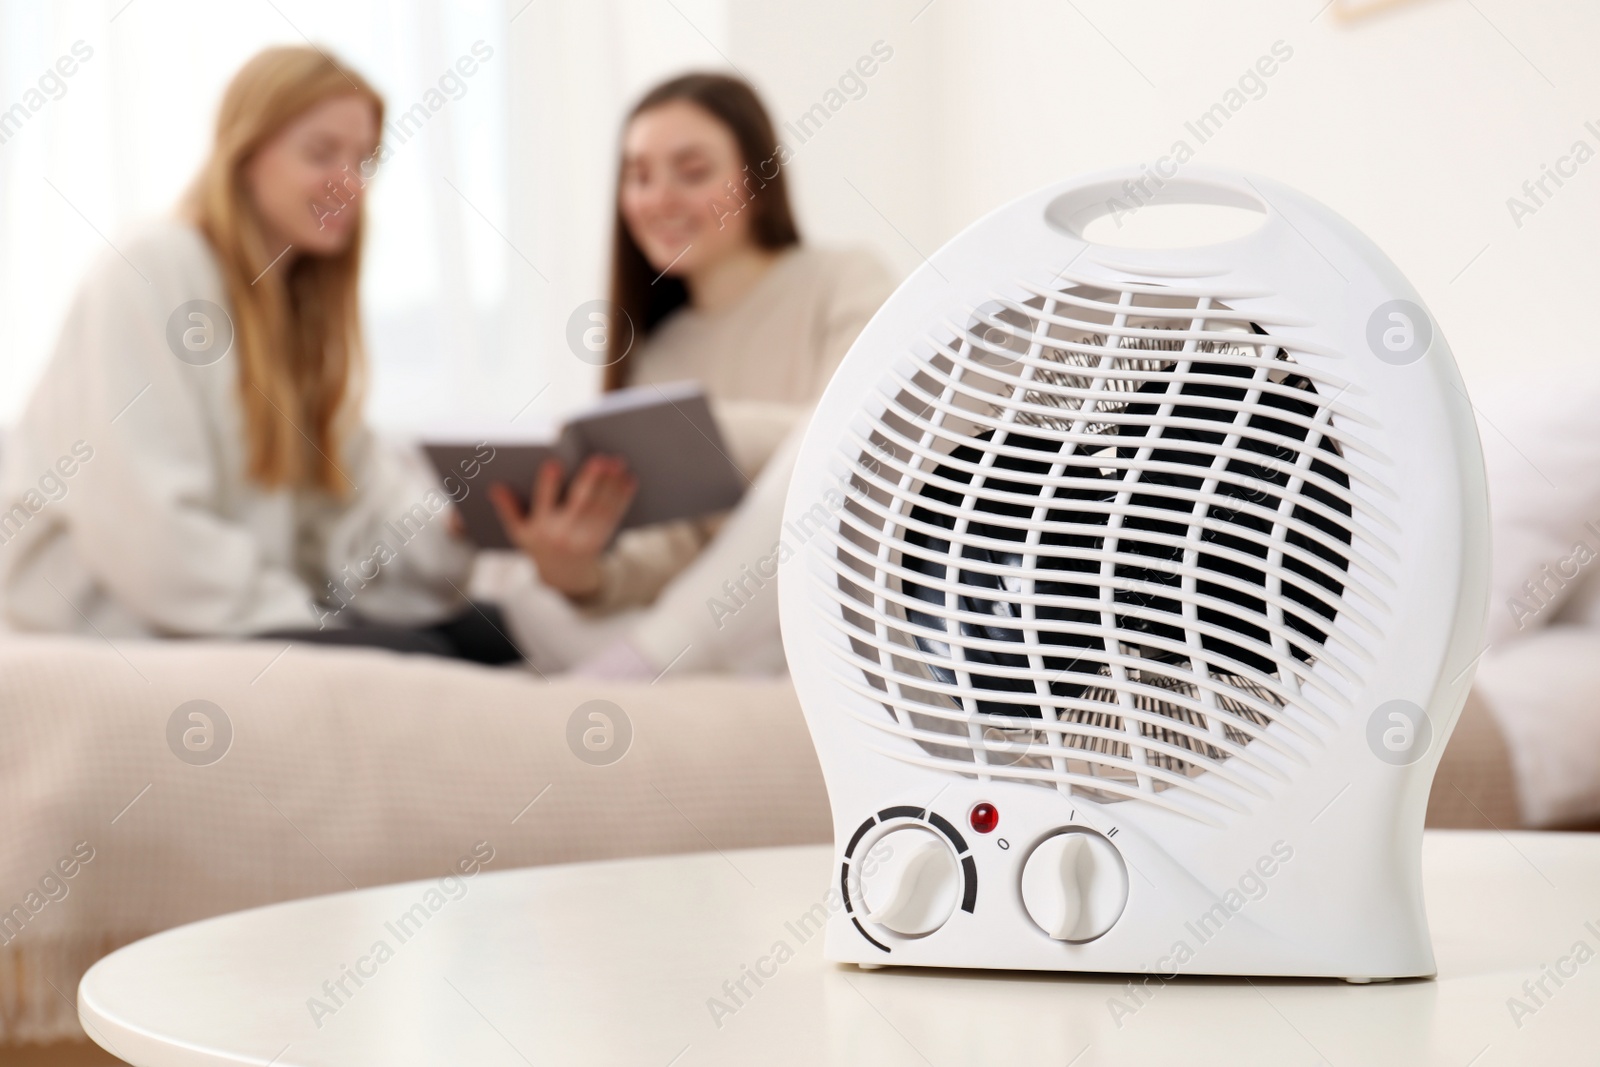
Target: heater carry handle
<point x="1129" y="188"/>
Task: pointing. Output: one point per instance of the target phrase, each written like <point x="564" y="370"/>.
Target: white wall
<point x="871" y="173"/>
<point x="1416" y="124"/>
<point x="577" y="68"/>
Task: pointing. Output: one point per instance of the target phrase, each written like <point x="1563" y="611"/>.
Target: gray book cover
<point x="665" y="434"/>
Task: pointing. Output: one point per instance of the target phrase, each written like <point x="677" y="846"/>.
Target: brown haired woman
<point x="708" y="267"/>
<point x="201" y="411"/>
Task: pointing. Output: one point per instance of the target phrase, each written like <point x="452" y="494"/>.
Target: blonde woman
<point x="710" y="270"/>
<point x="199" y="424"/>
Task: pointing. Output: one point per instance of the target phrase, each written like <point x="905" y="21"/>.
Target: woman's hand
<point x="565" y="539"/>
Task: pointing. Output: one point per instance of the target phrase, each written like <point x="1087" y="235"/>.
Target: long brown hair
<point x="637" y="288"/>
<point x="297" y="332"/>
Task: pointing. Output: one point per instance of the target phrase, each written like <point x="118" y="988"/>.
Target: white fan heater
<point x="1136" y="593"/>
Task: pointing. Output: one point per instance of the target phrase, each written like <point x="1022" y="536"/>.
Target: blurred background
<point x="1419" y="120"/>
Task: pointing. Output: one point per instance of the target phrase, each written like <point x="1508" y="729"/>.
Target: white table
<point x="616" y="963"/>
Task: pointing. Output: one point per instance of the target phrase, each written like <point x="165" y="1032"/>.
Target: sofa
<point x="346" y="767"/>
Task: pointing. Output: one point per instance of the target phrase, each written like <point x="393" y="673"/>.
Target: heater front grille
<point x="1098" y="538"/>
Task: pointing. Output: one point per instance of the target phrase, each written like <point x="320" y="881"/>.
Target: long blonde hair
<point x="297" y="332"/>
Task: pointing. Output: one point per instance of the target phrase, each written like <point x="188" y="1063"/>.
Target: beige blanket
<point x="345" y="768"/>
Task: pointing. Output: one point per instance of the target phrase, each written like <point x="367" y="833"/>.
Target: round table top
<point x="641" y="961"/>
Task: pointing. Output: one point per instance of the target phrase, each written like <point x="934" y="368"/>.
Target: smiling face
<point x="306" y="183"/>
<point x="677" y="161"/>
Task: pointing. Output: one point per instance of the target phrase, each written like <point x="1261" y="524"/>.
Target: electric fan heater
<point x="1135" y="594"/>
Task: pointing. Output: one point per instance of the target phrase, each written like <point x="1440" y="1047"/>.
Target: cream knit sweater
<point x="124" y="508"/>
<point x="764" y="362"/>
<point x="684" y="594"/>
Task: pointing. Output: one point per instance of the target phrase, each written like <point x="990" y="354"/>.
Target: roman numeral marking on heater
<point x="1111" y="832"/>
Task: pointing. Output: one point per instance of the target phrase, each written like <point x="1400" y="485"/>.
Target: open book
<point x="665" y="434"/>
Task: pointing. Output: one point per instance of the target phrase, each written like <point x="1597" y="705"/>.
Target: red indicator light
<point x="984" y="818"/>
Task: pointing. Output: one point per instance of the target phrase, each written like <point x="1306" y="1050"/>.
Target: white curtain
<point x="488" y="225"/>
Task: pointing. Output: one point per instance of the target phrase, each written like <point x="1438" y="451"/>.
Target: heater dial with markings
<point x="1074" y="885"/>
<point x="916" y="886"/>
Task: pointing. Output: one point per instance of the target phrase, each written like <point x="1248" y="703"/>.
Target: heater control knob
<point x="914" y="887"/>
<point x="1074" y="885"/>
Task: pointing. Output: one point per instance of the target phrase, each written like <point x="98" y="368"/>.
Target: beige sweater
<point x="764" y="362"/>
